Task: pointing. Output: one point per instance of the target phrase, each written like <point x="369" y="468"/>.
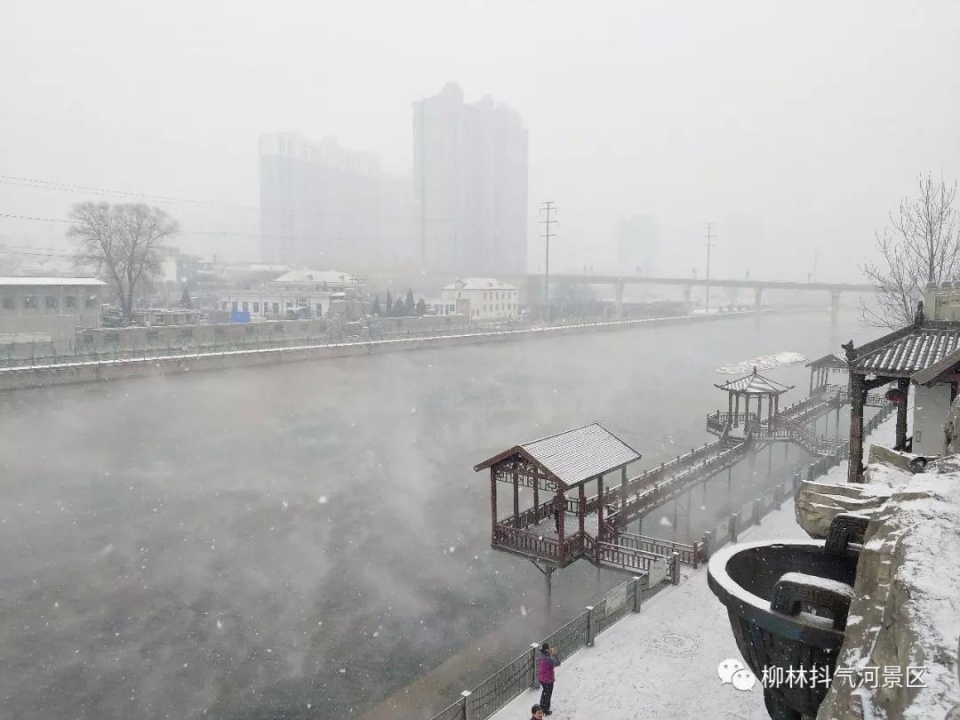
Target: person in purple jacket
<point x="546" y="662"/>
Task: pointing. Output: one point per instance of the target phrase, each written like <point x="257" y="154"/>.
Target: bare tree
<point x="122" y="242"/>
<point x="921" y="246"/>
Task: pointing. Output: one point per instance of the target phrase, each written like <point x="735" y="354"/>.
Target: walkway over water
<point x="569" y="524"/>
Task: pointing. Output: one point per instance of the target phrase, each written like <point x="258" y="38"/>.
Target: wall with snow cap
<point x="907" y="607"/>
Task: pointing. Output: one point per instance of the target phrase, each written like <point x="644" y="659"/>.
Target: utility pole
<point x="710" y="237"/>
<point x="549" y="209"/>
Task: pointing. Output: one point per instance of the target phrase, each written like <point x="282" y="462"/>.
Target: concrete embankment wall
<point x="99" y="371"/>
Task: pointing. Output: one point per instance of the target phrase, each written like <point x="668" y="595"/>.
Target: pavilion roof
<point x="832" y="361"/>
<point x="755" y="384"/>
<point x="909" y="351"/>
<point x="574" y="456"/>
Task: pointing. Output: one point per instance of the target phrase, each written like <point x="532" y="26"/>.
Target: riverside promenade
<point x="661" y="664"/>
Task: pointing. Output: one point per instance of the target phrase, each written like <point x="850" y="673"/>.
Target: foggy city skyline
<point x="810" y="124"/>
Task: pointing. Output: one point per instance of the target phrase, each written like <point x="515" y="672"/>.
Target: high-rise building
<point x="470" y="184"/>
<point x="637" y="244"/>
<point x="324" y="206"/>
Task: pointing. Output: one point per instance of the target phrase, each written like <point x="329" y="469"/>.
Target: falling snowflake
<point x="322" y="499"/>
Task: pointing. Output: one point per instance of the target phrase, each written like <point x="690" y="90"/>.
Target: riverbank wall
<point x="103" y="370"/>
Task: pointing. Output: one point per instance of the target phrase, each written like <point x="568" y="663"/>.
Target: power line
<point x="56" y="186"/>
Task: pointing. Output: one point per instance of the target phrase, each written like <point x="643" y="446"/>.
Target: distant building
<point x="307" y="293"/>
<point x="480" y="299"/>
<point x="48" y="309"/>
<point x="320" y="203"/>
<point x="470" y="183"/>
<point x="637" y="245"/>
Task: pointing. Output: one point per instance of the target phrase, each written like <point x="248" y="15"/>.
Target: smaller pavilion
<point x="752" y="387"/>
<point x="822" y="368"/>
<point x="555" y="468"/>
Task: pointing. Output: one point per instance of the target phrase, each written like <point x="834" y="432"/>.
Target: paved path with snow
<point x="662" y="663"/>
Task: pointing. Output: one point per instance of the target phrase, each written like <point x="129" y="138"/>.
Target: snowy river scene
<point x="287" y="541"/>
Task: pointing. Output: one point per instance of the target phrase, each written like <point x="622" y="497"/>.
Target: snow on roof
<point x="307" y="276"/>
<point x="909" y="350"/>
<point x="479" y="284"/>
<point x="36" y="281"/>
<point x="755" y="384"/>
<point x="575" y="455"/>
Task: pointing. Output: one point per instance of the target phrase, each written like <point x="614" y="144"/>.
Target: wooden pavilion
<point x="750" y="387"/>
<point x="924" y="355"/>
<point x="555" y="468"/>
<point x="822" y="368"/>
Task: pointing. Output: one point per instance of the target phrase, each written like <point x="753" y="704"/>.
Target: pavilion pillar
<point x="736" y="417"/>
<point x="857" y="392"/>
<point x="536" y="491"/>
<point x="812" y="371"/>
<point x="759" y="409"/>
<point x="623" y="494"/>
<point x="582" y="507"/>
<point x="903" y="385"/>
<point x="493" y="504"/>
<point x="729" y="408"/>
<point x="776" y="406"/>
<point x="599" y="502"/>
<point x="746" y="413"/>
<point x="516" y="495"/>
<point x="562" y="503"/>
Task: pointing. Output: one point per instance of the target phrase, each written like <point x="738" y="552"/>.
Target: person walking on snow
<point x="546" y="662"/>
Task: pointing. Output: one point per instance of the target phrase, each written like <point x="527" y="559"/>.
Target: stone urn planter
<point x="788" y="604"/>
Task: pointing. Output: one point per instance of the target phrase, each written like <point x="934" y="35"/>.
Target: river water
<point x="304" y="540"/>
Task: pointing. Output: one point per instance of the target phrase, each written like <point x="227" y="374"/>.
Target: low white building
<point x="480" y="298"/>
<point x="48" y="309"/>
<point x="304" y="291"/>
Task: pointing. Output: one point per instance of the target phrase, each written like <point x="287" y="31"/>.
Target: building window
<point x="276" y="308"/>
<point x="246" y="306"/>
<point x="8" y="303"/>
<point x="319" y="310"/>
<point x="256" y="307"/>
<point x="234" y="306"/>
<point x="91" y="302"/>
<point x="70" y="302"/>
<point x="30" y="302"/>
<point x="50" y="302"/>
<point x="289" y="305"/>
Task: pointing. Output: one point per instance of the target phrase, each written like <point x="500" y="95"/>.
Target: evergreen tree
<point x="389" y="304"/>
<point x="185" y="300"/>
<point x="409" y="303"/>
<point x="421" y="308"/>
<point x="375" y="310"/>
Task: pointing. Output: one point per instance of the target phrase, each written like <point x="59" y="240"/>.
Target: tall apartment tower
<point x="324" y="206"/>
<point x="470" y="185"/>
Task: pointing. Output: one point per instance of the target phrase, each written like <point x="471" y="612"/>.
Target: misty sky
<point x="801" y="124"/>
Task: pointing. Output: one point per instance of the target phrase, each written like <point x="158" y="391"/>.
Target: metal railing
<point x="510" y="681"/>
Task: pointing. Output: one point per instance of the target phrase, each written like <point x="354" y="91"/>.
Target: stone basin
<point x="788" y="603"/>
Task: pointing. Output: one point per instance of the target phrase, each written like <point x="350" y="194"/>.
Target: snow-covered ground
<point x="762" y="362"/>
<point x="661" y="663"/>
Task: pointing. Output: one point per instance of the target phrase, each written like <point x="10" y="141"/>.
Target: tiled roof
<point x="574" y="456"/>
<point x="755" y="384"/>
<point x="829" y="361"/>
<point x="909" y="353"/>
<point x="50" y="282"/>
